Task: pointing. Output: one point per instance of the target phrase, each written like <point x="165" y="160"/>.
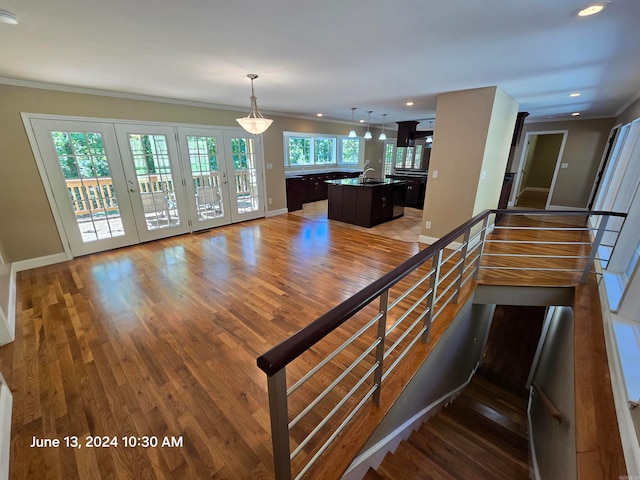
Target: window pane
<point x="350" y="150"/>
<point x="400" y="156"/>
<point x="300" y="151"/>
<point x="325" y="150"/>
<point x="388" y="157"/>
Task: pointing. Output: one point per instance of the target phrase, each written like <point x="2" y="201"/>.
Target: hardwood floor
<point x="480" y="435"/>
<point x="161" y="339"/>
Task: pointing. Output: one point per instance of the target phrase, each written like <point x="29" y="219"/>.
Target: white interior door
<point x="154" y="179"/>
<point x="84" y="171"/>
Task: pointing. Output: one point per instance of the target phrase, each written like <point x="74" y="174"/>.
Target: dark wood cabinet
<point x="294" y="193"/>
<point x="365" y="206"/>
<point x="416" y="188"/>
<point x="310" y="187"/>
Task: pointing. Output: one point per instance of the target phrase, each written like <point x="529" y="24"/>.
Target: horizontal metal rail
<point x="408" y="291"/>
<point x="443" y="289"/>
<point x="331" y="356"/>
<point x="334" y="384"/>
<point x="408" y="312"/>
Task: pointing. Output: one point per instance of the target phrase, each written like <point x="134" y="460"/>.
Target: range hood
<point x="408" y="133"/>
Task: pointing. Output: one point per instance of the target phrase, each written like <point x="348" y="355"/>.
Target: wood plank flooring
<point x="161" y="339"/>
<point x="480" y="435"/>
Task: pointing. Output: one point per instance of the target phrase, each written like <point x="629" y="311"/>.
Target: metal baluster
<point x="483" y="236"/>
<point x="594" y="249"/>
<point x="279" y="411"/>
<point x="431" y="302"/>
<point x="463" y="256"/>
<point x="382" y="332"/>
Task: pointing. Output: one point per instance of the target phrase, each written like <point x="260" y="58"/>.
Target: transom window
<point x="310" y="149"/>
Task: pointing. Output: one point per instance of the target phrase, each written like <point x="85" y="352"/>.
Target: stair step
<point x="373" y="475"/>
<point x="422" y="466"/>
<point x="480" y="435"/>
<point x="474" y="445"/>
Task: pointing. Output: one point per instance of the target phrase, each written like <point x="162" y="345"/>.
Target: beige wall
<point x="468" y="141"/>
<point x="586" y="140"/>
<point x="543" y="161"/>
<point x="27" y="225"/>
<point x="496" y="151"/>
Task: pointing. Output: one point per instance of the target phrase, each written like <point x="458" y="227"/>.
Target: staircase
<point x="480" y="435"/>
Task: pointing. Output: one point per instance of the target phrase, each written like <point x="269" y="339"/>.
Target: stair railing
<point x="368" y="335"/>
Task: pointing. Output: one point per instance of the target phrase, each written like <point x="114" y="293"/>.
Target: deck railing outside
<point x="313" y="397"/>
<point x="91" y="195"/>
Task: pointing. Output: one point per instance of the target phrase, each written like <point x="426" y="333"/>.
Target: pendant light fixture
<point x="429" y="139"/>
<point x="367" y="135"/>
<point x="382" y="135"/>
<point x="352" y="133"/>
<point x="254" y="122"/>
<point x="8" y="17"/>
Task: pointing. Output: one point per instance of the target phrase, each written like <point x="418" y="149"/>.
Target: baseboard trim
<point x="39" y="262"/>
<point x="6" y="402"/>
<point x="273" y="213"/>
<point x="372" y="457"/>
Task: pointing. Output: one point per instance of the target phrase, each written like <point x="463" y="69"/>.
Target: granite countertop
<point x="370" y="182"/>
<point x="300" y="173"/>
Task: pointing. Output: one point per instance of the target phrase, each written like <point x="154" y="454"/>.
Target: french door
<point x="154" y="180"/>
<point x="119" y="184"/>
<point x="84" y="171"/>
<point x="224" y="181"/>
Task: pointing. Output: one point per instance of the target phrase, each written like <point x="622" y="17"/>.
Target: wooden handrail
<point x="548" y="404"/>
<point x="291" y="348"/>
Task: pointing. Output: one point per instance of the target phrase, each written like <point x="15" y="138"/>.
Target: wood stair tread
<point x="467" y="439"/>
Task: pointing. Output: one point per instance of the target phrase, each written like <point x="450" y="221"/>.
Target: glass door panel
<point x="246" y="182"/>
<point x="150" y="161"/>
<point x="208" y="188"/>
<point x="84" y="172"/>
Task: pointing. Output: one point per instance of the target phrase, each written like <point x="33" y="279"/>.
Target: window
<point x="350" y="150"/>
<point x="308" y="149"/>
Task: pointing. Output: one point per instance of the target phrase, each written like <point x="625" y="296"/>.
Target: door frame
<point x="523" y="157"/>
<point x="26" y="121"/>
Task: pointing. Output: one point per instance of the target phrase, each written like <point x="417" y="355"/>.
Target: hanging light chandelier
<point x="352" y="132"/>
<point x="254" y="122"/>
<point x="367" y="135"/>
<point x="382" y="135"/>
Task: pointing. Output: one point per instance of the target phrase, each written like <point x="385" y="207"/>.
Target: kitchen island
<point x="367" y="203"/>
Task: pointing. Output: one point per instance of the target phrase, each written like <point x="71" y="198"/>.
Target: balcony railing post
<point x="594" y="248"/>
<point x="279" y="411"/>
<point x="463" y="257"/>
<point x="382" y="334"/>
<point x="483" y="236"/>
<point x="431" y="299"/>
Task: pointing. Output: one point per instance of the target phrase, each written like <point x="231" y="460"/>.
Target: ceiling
<point x="327" y="56"/>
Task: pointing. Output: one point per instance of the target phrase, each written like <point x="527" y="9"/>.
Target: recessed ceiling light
<point x="575" y="114"/>
<point x="409" y="104"/>
<point x="362" y="120"/>
<point x="8" y="17"/>
<point x="319" y="114"/>
<point x="575" y="94"/>
<point x="591" y="10"/>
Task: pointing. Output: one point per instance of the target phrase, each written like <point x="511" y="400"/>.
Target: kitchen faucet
<point x="363" y="177"/>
